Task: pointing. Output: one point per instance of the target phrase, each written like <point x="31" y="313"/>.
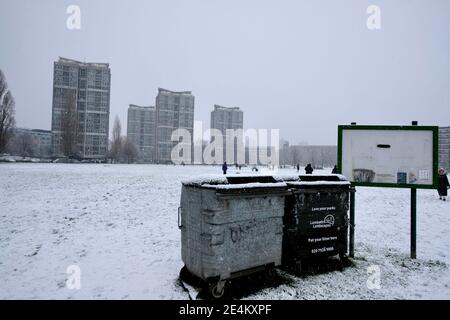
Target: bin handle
<point x="180" y="225"/>
<point x="234" y="234"/>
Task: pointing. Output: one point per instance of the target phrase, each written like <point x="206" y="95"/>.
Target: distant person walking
<point x="224" y="167"/>
<point x="298" y="167"/>
<point x="309" y="169"/>
<point x="334" y="171"/>
<point x="443" y="184"/>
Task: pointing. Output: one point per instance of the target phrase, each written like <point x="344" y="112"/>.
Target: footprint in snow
<point x="36" y="251"/>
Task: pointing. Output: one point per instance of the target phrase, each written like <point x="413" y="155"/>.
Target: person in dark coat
<point x="334" y="170"/>
<point x="309" y="169"/>
<point x="298" y="167"/>
<point x="224" y="167"/>
<point x="443" y="184"/>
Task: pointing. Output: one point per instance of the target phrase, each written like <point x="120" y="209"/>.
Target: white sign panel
<point x="385" y="156"/>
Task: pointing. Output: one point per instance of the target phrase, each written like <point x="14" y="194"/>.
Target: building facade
<point x="223" y="119"/>
<point x="86" y="86"/>
<point x="174" y="110"/>
<point x="444" y="148"/>
<point x="141" y="124"/>
<point x="40" y="142"/>
<point x="43" y="142"/>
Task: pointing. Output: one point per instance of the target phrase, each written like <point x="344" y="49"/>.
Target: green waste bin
<point x="316" y="219"/>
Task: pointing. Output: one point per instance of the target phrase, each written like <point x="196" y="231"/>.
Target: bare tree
<point x="330" y="157"/>
<point x="129" y="151"/>
<point x="116" y="143"/>
<point x="7" y="113"/>
<point x="294" y="155"/>
<point x="69" y="126"/>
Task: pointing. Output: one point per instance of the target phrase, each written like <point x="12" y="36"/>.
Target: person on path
<point x="443" y="184"/>
<point x="309" y="169"/>
<point x="224" y="167"/>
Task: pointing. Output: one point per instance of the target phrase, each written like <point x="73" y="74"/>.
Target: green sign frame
<point x="433" y="129"/>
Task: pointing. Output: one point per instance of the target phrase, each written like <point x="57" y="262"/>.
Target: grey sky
<point x="301" y="66"/>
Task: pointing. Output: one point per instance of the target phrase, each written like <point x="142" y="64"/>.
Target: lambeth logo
<point x="327" y="222"/>
<point x="329" y="219"/>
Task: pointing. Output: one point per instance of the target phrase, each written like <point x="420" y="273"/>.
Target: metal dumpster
<point x="316" y="219"/>
<point x="231" y="226"/>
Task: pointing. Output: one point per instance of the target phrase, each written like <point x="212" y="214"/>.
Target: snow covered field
<point x="118" y="223"/>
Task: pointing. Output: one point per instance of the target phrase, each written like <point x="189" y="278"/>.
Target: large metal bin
<point x="231" y="226"/>
<point x="316" y="219"/>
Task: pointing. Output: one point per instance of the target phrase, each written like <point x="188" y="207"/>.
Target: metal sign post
<point x="413" y="216"/>
<point x="352" y="223"/>
<point x="413" y="222"/>
<point x="351" y="246"/>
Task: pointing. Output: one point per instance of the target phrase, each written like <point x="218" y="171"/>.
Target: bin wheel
<point x="298" y="267"/>
<point x="345" y="261"/>
<point x="184" y="273"/>
<point x="270" y="274"/>
<point x="217" y="290"/>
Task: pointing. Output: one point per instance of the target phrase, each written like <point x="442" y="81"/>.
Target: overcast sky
<point x="301" y="66"/>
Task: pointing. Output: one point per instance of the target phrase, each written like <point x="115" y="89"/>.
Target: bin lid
<point x="322" y="177"/>
<point x="237" y="182"/>
<point x="320" y="180"/>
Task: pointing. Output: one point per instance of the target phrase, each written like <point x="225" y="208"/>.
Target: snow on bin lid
<point x="330" y="179"/>
<point x="252" y="185"/>
<point x="205" y="179"/>
<point x="322" y="177"/>
<point x="238" y="181"/>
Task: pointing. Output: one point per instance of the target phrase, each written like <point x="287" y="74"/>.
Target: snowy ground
<point x="118" y="223"/>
